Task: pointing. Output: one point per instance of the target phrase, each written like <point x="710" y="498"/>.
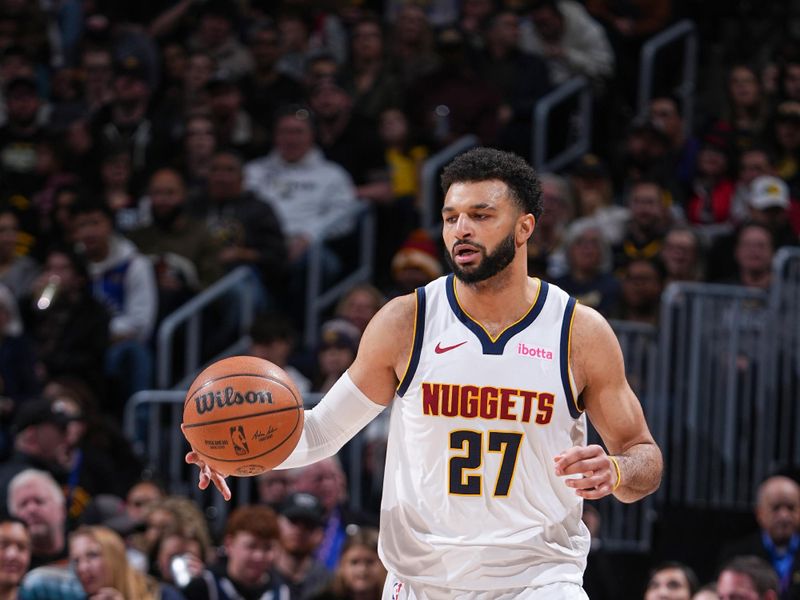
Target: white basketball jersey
<point x="470" y="498"/>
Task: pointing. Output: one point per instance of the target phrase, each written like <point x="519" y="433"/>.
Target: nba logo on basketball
<point x="239" y="440"/>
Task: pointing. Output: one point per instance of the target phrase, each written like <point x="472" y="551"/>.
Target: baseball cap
<point x="301" y="506"/>
<point x="130" y="66"/>
<point x="418" y="252"/>
<point x="590" y="165"/>
<point x="340" y="334"/>
<point x="37" y="412"/>
<point x="767" y="191"/>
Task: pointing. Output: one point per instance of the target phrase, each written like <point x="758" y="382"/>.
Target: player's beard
<point x="491" y="263"/>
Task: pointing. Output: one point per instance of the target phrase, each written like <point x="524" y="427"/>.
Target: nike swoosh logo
<point x="440" y="350"/>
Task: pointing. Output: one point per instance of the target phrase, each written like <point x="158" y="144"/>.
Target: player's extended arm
<point x="617" y="416"/>
<point x="355" y="399"/>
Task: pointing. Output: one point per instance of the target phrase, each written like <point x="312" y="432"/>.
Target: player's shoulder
<point x="594" y="348"/>
<point x="398" y="313"/>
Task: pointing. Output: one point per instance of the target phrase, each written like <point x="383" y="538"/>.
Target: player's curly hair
<point x="483" y="164"/>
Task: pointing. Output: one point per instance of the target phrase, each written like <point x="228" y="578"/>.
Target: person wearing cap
<point x="234" y="127"/>
<point x="301" y="520"/>
<point x="19" y="135"/>
<point x="337" y="350"/>
<point x="251" y="541"/>
<point x="769" y="205"/>
<point x="415" y="264"/>
<point x="40" y="442"/>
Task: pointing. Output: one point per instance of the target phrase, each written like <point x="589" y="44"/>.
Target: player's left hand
<point x="599" y="474"/>
<point x="209" y="475"/>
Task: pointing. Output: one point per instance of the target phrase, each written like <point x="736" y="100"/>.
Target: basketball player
<point x="489" y="373"/>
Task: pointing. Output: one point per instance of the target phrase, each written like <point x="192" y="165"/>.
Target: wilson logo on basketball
<point x="206" y="403"/>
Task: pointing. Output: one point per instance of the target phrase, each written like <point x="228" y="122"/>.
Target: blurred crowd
<point x="149" y="148"/>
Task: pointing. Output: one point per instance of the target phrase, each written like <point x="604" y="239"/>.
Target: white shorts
<point x="397" y="589"/>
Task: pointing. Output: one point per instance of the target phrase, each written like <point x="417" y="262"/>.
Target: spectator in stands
<point x="777" y="512"/>
<point x="770" y="205"/>
<point x="326" y="481"/>
<point x="683" y="255"/>
<point x="295" y="31"/>
<point x="712" y="187"/>
<point x="594" y="196"/>
<point x="177" y="558"/>
<point x="411" y="44"/>
<point x="98" y="556"/>
<point x="97" y="66"/>
<point x="337" y="351"/>
<point x="125" y="121"/>
<point x="179" y="513"/>
<point x="707" y="592"/>
<point x="116" y="188"/>
<point x="753" y="252"/>
<point x="309" y="193"/>
<point x="753" y="162"/>
<point x="359" y="305"/>
<point x="785" y="140"/>
<point x="15" y="556"/>
<point x="643" y="281"/>
<point x="273" y="338"/>
<point x="273" y="488"/>
<point x="569" y="40"/>
<point x="141" y="497"/>
<point x="234" y="127"/>
<point x="301" y="521"/>
<point x="319" y="67"/>
<point x="649" y="220"/>
<point x="199" y="146"/>
<point x="350" y="140"/>
<point x="671" y="580"/>
<point x="546" y="256"/>
<point x="123" y="280"/>
<point x="747" y="577"/>
<point x="404" y="155"/>
<point x="251" y="540"/>
<point x="18" y="379"/>
<point x="359" y="573"/>
<point x="522" y="78"/>
<point x="18" y="137"/>
<point x="68" y="327"/>
<point x="643" y="154"/>
<point x="453" y="100"/>
<point x="181" y="248"/>
<point x="247" y="231"/>
<point x="745" y="113"/>
<point x="35" y="498"/>
<point x="16" y="272"/>
<point x="216" y="35"/>
<point x="415" y="264"/>
<point x="372" y="86"/>
<point x="39" y="442"/>
<point x="266" y="89"/>
<point x="589" y="278"/>
<point x="666" y="114"/>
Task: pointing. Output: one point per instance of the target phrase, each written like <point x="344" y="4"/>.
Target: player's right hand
<point x="208" y="475"/>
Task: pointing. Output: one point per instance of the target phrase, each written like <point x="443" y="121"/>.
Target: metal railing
<point x="317" y="300"/>
<point x="579" y="125"/>
<point x="710" y="418"/>
<point x="238" y="286"/>
<point x="429" y="180"/>
<point x="682" y="31"/>
<point x="628" y="527"/>
<point x="152" y="421"/>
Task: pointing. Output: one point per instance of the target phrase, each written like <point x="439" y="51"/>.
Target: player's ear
<point x="525" y="227"/>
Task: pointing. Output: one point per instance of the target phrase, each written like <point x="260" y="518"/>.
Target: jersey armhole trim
<point x="416" y="348"/>
<point x="565" y="348"/>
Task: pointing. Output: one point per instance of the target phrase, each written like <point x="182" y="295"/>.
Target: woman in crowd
<point x="360" y="574"/>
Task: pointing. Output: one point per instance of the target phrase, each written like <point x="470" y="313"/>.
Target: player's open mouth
<point x="464" y="253"/>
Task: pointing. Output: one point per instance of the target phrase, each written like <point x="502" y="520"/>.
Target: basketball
<point x="243" y="415"/>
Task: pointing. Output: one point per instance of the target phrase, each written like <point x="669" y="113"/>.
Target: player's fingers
<point x="582" y="466"/>
<point x="221" y="484"/>
<point x="588" y="482"/>
<point x="193" y="458"/>
<point x="204" y="479"/>
<point x="596" y="493"/>
<point x="574" y="455"/>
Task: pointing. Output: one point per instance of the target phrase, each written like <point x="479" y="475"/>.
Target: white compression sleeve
<point x="341" y="414"/>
